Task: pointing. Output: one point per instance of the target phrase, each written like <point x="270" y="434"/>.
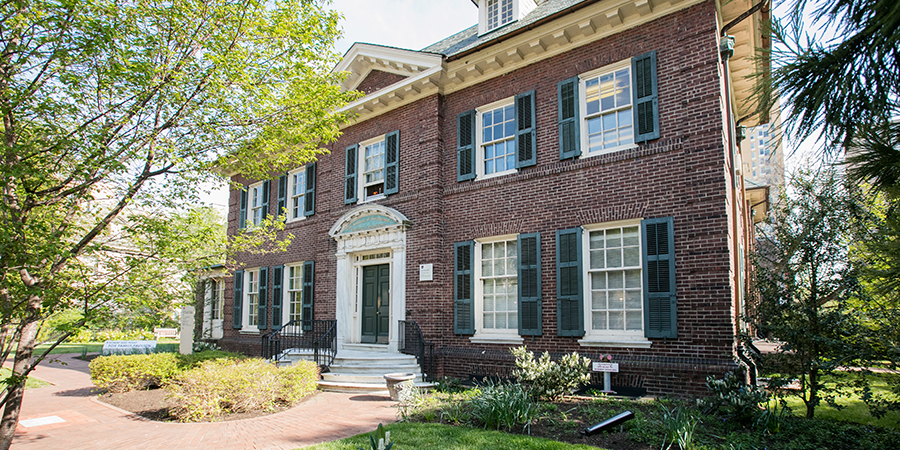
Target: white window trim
<point x="582" y="108"/>
<point x="288" y="203"/>
<point x="494" y="336"/>
<point x="286" y="292"/>
<point x="607" y="338"/>
<point x="479" y="138"/>
<point x="245" y="310"/>
<point x="483" y="18"/>
<point x="361" y="167"/>
<point x="251" y="217"/>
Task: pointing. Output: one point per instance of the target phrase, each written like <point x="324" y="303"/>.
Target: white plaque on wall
<point x="426" y="272"/>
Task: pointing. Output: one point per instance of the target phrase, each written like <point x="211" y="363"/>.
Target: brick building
<point x="560" y="175"/>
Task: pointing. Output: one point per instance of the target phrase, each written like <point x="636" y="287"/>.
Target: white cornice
<point x="363" y="58"/>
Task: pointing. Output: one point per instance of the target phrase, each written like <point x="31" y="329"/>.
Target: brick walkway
<point x="90" y="424"/>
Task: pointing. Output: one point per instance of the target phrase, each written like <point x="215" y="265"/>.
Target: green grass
<point x="31" y="383"/>
<point x="854" y="410"/>
<point x="430" y="435"/>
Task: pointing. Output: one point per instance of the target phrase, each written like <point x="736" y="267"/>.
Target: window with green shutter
<point x="277" y="294"/>
<point x="526" y="134"/>
<point x="646" y="108"/>
<point x="465" y="146"/>
<point x="309" y="196"/>
<point x="242" y="215"/>
<point x="238" y="299"/>
<point x="350" y="174"/>
<point x="569" y="287"/>
<point x="463" y="288"/>
<point x="309" y="275"/>
<point x="568" y="121"/>
<point x="263" y="298"/>
<point x="660" y="306"/>
<point x="282" y="197"/>
<point x="529" y="281"/>
<point x="392" y="163"/>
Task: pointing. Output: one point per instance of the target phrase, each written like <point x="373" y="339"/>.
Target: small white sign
<point x="606" y="367"/>
<point x="426" y="272"/>
<point x="128" y="347"/>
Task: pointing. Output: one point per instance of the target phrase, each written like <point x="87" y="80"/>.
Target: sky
<point x="412" y="24"/>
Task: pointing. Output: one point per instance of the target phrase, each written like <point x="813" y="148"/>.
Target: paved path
<point x="90" y="424"/>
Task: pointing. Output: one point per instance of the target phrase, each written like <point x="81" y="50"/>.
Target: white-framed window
<point x="496" y="288"/>
<point x="613" y="281"/>
<point x="293" y="293"/>
<point x="251" y="299"/>
<point x="257" y="202"/>
<point x="498" y="13"/>
<point x="496" y="138"/>
<point x="296" y="190"/>
<point x="215" y="296"/>
<point x="371" y="168"/>
<point x="606" y="109"/>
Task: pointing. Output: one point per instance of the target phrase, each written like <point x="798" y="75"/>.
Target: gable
<point x="378" y="79"/>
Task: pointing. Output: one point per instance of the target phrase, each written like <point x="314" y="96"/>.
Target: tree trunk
<point x="813" y="393"/>
<point x="13" y="404"/>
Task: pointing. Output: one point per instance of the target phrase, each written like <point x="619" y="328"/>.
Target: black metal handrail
<point x="320" y="336"/>
<point x="412" y="342"/>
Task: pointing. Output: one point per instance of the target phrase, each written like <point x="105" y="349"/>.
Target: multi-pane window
<point x="499" y="282"/>
<point x="499" y="12"/>
<point x="215" y="295"/>
<point x="373" y="169"/>
<point x="252" y="297"/>
<point x="296" y="190"/>
<point x="295" y="292"/>
<point x="257" y="203"/>
<point x="498" y="132"/>
<point x="614" y="269"/>
<point x="608" y="115"/>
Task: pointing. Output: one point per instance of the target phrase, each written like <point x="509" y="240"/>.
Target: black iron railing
<point x="412" y="342"/>
<point x="320" y="336"/>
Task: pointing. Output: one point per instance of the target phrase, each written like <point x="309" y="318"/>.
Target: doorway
<point x="376" y="311"/>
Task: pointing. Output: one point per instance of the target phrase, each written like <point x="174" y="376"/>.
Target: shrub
<point x="678" y="424"/>
<point x="549" y="379"/>
<point x="123" y="373"/>
<point x="735" y="400"/>
<point x="503" y="405"/>
<point x="219" y="386"/>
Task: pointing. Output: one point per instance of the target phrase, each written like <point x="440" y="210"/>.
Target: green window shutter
<point x="309" y="197"/>
<point x="263" y="297"/>
<point x="306" y="302"/>
<point x="465" y="146"/>
<point x="392" y="163"/>
<point x="242" y="217"/>
<point x="569" y="125"/>
<point x="238" y="299"/>
<point x="265" y="199"/>
<point x="569" y="285"/>
<point x="463" y="288"/>
<point x="282" y="197"/>
<point x="350" y="174"/>
<point x="277" y="293"/>
<point x="660" y="304"/>
<point x="530" y="284"/>
<point x="644" y="95"/>
<point x="526" y="147"/>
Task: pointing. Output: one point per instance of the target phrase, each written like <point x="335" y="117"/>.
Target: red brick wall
<point x="681" y="174"/>
<point x="376" y="80"/>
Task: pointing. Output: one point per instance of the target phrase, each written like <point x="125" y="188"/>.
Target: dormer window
<point x="499" y="12"/>
<point x="493" y="14"/>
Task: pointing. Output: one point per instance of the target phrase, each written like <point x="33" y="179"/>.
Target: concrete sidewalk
<point x="67" y="415"/>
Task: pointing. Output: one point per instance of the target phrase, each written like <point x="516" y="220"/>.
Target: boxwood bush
<point x="229" y="386"/>
<point x="123" y="373"/>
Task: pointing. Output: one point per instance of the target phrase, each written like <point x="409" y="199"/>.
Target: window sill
<point x="615" y="343"/>
<point x="496" y="339"/>
<point x="296" y="219"/>
<point x="249" y="331"/>
<point x="606" y="151"/>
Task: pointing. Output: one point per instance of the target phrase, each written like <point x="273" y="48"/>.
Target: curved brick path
<point x="90" y="424"/>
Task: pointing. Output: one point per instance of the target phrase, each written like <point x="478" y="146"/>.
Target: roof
<point x="468" y="39"/>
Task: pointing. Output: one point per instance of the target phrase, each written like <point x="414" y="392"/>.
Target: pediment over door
<point x="368" y="219"/>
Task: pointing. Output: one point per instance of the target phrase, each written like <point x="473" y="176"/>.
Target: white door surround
<point x="377" y="233"/>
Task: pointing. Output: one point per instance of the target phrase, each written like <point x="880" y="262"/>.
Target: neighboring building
<point x="561" y="175"/>
<point x="763" y="156"/>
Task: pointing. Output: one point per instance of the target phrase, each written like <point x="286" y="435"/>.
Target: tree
<point x="134" y="103"/>
<point x="807" y="283"/>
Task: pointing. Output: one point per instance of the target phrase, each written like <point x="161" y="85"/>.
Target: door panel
<point x="376" y="304"/>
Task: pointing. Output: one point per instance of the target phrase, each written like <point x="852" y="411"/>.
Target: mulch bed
<point x="153" y="404"/>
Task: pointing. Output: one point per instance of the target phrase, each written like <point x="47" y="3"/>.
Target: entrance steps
<point x="362" y="371"/>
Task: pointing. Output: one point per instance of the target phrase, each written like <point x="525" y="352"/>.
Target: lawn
<point x="30" y="384"/>
<point x="853" y="409"/>
<point x="431" y="435"/>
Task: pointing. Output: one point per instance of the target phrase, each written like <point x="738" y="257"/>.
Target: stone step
<point x="359" y="378"/>
<point x="374" y="370"/>
<point x="363" y="388"/>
